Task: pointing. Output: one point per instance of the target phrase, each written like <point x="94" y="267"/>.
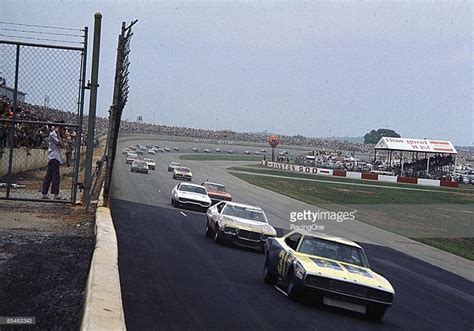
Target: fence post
<point x="80" y="114"/>
<point x="92" y="108"/>
<point x="12" y="128"/>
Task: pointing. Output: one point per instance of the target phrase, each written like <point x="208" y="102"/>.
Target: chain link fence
<point x="41" y="100"/>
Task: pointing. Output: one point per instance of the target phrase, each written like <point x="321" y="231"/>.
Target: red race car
<point x="217" y="192"/>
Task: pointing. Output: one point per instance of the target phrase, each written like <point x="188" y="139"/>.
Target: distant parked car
<point x="207" y="151"/>
<point x="218" y="150"/>
<point x="167" y="149"/>
<point x="230" y="151"/>
<point x="195" y="149"/>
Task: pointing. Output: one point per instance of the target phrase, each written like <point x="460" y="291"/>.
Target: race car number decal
<point x="283" y="259"/>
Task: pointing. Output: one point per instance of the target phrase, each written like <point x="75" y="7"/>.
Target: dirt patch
<point x="45" y="254"/>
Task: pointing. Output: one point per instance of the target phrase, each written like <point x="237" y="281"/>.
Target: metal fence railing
<point x="41" y="97"/>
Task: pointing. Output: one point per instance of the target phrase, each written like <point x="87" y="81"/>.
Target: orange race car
<point x="217" y="192"/>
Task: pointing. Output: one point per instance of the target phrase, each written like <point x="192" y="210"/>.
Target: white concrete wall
<point x="428" y="182"/>
<point x="386" y="178"/>
<point x="22" y="162"/>
<point x="354" y="175"/>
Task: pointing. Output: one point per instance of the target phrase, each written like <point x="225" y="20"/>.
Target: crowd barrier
<point x="359" y="175"/>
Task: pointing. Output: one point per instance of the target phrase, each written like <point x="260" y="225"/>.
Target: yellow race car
<point x="332" y="270"/>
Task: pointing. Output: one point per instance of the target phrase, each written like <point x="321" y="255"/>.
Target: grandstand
<point x="419" y="158"/>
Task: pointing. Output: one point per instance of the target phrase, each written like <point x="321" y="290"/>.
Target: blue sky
<point x="317" y="69"/>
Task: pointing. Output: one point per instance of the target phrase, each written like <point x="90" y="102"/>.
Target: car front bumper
<point x="345" y="292"/>
<point x="183" y="177"/>
<point x="244" y="238"/>
<point x="196" y="203"/>
<point x="142" y="171"/>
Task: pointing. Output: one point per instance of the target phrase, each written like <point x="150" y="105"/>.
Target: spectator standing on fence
<point x="52" y="176"/>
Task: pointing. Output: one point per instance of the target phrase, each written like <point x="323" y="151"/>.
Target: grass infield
<point x="442" y="219"/>
<point x="219" y="157"/>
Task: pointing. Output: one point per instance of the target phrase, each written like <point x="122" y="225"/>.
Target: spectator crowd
<point x="334" y="154"/>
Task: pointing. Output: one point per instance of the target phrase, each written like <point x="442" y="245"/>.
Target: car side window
<point x="220" y="206"/>
<point x="293" y="240"/>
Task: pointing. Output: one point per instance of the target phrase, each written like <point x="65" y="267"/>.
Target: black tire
<point x="268" y="276"/>
<point x="375" y="312"/>
<point x="218" y="236"/>
<point x="174" y="177"/>
<point x="209" y="231"/>
<point x="176" y="203"/>
<point x="293" y="291"/>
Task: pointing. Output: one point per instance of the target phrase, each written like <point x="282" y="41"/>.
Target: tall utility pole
<point x="92" y="107"/>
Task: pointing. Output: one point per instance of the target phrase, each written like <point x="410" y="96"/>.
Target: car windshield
<point x="193" y="189"/>
<point x="215" y="187"/>
<point x="148" y="160"/>
<point x="248" y="213"/>
<point x="183" y="169"/>
<point x="334" y="251"/>
<point x="140" y="164"/>
<point x="132" y="155"/>
<point x="175" y="164"/>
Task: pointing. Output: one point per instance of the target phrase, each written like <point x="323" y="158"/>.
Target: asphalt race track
<point x="173" y="277"/>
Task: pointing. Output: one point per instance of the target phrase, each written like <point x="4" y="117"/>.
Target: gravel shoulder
<point x="45" y="254"/>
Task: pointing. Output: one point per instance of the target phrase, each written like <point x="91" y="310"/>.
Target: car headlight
<point x="268" y="230"/>
<point x="230" y="230"/>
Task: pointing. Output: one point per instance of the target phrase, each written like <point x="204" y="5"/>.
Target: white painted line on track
<point x="280" y="290"/>
<point x="183" y="214"/>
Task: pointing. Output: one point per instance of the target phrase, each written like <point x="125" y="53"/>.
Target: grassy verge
<point x="460" y="246"/>
<point x="219" y="157"/>
<point x="259" y="169"/>
<point x="413" y="214"/>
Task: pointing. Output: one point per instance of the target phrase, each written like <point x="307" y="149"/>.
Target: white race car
<point x="151" y="163"/>
<point x="131" y="157"/>
<point x="190" y="195"/>
<point x="240" y="224"/>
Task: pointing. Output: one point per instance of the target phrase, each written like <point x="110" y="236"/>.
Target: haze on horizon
<point x="318" y="69"/>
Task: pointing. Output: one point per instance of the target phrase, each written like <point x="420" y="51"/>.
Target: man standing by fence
<point x="54" y="160"/>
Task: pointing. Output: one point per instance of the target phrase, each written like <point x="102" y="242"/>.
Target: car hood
<point x="249" y="225"/>
<point x="194" y="196"/>
<point x="322" y="267"/>
<point x="177" y="172"/>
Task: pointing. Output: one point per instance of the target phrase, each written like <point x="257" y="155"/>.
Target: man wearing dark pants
<point x="55" y="159"/>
